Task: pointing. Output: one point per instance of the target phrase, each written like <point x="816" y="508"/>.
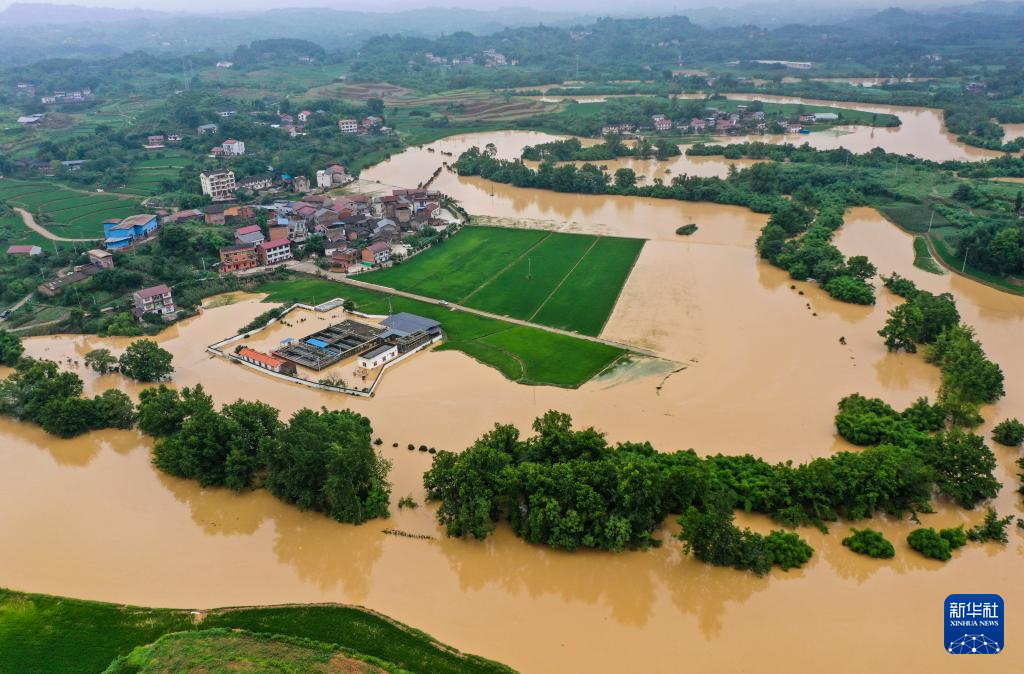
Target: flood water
<point x="751" y="364"/>
<point x="922" y="132"/>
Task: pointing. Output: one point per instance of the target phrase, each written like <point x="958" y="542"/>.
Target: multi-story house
<point x="219" y="185"/>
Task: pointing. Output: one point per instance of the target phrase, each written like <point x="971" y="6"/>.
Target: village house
<point x="123" y="234"/>
<point x="238" y="258"/>
<point x="377" y="253"/>
<point x="204" y="129"/>
<point x="256" y="183"/>
<point x="238" y="214"/>
<point x="174" y="138"/>
<point x="348" y="126"/>
<point x="274" y="251"/>
<point x="178" y="217"/>
<point x="232" y="147"/>
<point x="219" y="185"/>
<point x="24" y="250"/>
<point x="300" y="184"/>
<point x="55" y="286"/>
<point x="343" y="259"/>
<point x="214" y="214"/>
<point x="304" y="116"/>
<point x="249" y="235"/>
<point x="100" y="258"/>
<point x="154" y="142"/>
<point x="266" y="361"/>
<point x="333" y="176"/>
<point x="224" y="64"/>
<point x="662" y="124"/>
<point x="153" y="300"/>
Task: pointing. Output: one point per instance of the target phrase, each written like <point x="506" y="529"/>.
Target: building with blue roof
<point x="122" y="234"/>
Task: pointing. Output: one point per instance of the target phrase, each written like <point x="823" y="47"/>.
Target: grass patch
<point x="523" y="354"/>
<point x="221" y="650"/>
<point x="923" y="257"/>
<point x="55" y="635"/>
<point x="568" y="281"/>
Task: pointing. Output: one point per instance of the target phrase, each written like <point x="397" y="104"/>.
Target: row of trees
<point x="571" y="149"/>
<point x="322" y="461"/>
<point x="570" y="489"/>
<point x="969" y="378"/>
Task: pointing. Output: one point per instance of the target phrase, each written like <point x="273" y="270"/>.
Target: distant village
<point x="719" y="122"/>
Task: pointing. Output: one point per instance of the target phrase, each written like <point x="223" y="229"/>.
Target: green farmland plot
<point x="568" y="281"/>
<point x="67" y="212"/>
<point x="534" y="276"/>
<point x="587" y="296"/>
<point x="461" y="265"/>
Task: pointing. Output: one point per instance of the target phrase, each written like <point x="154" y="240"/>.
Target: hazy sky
<point x="635" y="7"/>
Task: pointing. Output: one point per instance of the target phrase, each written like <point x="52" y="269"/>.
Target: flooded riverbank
<point x="922" y="131"/>
<point x="760" y="369"/>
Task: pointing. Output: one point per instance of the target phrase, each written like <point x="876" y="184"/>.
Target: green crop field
<point x="523" y="354"/>
<point x="57" y="635"/>
<point x="568" y="281"/>
<point x="67" y="212"/>
<point x="462" y="264"/>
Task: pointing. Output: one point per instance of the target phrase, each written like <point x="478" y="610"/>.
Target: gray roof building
<point x="405" y="323"/>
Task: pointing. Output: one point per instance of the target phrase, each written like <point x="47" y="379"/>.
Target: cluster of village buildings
<point x="222" y="185"/>
<point x="358" y="230"/>
<point x="155" y="300"/>
<point x="489" y="58"/>
<point x="57" y="97"/>
<point x="715" y="121"/>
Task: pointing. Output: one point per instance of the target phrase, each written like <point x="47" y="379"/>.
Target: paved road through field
<point x="30" y="222"/>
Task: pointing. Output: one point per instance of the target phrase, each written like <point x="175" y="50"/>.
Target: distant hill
<point x="34" y="14"/>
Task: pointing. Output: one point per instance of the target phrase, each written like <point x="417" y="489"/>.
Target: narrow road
<point x="30" y="222"/>
<point x="309" y="268"/>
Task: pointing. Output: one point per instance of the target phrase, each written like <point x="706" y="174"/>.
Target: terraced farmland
<point x="64" y="211"/>
<point x="567" y="281"/>
<point x="149" y="173"/>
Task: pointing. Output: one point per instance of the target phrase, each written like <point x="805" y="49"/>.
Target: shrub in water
<point x="869" y="542"/>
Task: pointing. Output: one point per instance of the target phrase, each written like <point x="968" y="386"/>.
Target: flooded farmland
<point x="756" y="366"/>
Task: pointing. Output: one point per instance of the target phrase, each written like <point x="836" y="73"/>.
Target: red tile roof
<point x="248" y="229"/>
<point x="260" y="357"/>
<point x="275" y="243"/>
<point x="153" y="291"/>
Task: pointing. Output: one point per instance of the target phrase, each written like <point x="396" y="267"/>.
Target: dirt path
<point x="308" y="268"/>
<point x="30" y="222"/>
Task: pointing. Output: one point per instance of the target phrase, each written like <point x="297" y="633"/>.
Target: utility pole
<point x="963" y="268"/>
<point x="930" y="220"/>
<point x="529" y="267"/>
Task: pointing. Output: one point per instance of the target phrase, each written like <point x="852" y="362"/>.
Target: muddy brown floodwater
<point x="760" y="369"/>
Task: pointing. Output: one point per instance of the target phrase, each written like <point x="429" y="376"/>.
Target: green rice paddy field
<point x="567" y="281"/>
<point x="66" y="212"/>
<point x="523" y="354"/>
